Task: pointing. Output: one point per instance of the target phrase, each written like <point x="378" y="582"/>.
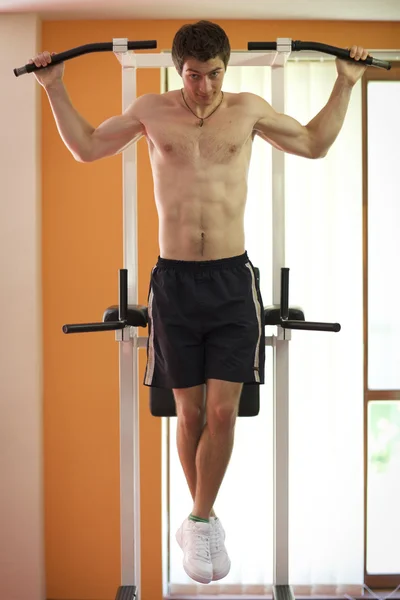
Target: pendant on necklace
<point x="201" y="123"/>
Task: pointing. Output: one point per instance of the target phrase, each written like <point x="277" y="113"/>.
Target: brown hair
<point x="203" y="41"/>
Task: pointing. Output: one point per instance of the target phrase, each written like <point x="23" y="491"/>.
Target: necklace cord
<point x="202" y="119"/>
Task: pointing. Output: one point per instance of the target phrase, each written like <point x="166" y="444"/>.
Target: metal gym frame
<point x="268" y="54"/>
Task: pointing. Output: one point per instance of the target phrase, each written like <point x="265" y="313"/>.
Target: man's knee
<point x="222" y="405"/>
<point x="190" y="408"/>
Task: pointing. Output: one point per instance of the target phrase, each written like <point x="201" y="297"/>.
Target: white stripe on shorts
<point x="258" y="313"/>
<point x="150" y="350"/>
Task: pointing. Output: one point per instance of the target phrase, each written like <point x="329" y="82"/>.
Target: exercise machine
<point x="129" y="318"/>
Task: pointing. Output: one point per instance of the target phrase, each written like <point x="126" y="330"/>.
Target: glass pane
<point x="383" y="491"/>
<point x="383" y="235"/>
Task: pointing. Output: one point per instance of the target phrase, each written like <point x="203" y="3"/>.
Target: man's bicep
<point x="129" y="122"/>
<point x="283" y="132"/>
<point x="114" y="134"/>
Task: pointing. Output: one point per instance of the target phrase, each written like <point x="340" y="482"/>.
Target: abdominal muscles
<point x="200" y="185"/>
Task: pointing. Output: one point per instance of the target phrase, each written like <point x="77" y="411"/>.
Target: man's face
<point x="203" y="80"/>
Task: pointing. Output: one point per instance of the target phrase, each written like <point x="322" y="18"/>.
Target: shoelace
<point x="215" y="538"/>
<point x="201" y="545"/>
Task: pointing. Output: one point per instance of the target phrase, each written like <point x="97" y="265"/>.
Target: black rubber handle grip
<point x="262" y="46"/>
<point x="310" y="326"/>
<point x="90" y="327"/>
<point x="123" y="295"/>
<point x="380" y="64"/>
<point x="85" y="49"/>
<point x="284" y="293"/>
<point x="343" y="53"/>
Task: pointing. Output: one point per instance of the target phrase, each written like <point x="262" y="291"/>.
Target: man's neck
<point x="200" y="111"/>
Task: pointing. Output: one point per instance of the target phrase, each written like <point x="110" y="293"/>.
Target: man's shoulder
<point x="246" y="100"/>
<point x="146" y="99"/>
<point x="162" y="100"/>
<point x="146" y="104"/>
<point x="162" y="97"/>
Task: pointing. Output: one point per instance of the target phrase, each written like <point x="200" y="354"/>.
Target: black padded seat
<point x="137" y="315"/>
<point x="273" y="314"/>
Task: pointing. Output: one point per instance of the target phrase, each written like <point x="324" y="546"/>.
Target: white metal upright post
<point x="281" y="345"/>
<point x="129" y="372"/>
<point x="130" y="482"/>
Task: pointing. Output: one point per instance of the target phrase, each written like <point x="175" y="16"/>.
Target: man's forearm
<point x="74" y="130"/>
<point x="325" y="127"/>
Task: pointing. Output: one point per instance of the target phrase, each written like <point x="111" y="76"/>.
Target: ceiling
<point x="351" y="10"/>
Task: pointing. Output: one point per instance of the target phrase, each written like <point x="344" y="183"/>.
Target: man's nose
<point x="205" y="85"/>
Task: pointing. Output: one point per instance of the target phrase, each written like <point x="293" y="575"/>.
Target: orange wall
<point x="82" y="252"/>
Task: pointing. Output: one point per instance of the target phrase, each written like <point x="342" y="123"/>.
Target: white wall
<point x="21" y="456"/>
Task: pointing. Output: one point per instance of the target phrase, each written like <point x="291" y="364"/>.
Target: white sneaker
<point x="194" y="539"/>
<point x="219" y="557"/>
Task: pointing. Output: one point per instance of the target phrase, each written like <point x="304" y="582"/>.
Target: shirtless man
<point x="205" y="307"/>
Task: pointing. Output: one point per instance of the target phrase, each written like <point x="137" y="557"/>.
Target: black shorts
<point x="206" y="321"/>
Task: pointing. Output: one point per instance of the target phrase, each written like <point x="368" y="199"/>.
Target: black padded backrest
<point x="272" y="314"/>
<point x="162" y="401"/>
<point x="137" y="315"/>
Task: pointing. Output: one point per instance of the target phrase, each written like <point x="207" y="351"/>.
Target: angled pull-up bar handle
<point x="284" y="312"/>
<point x="343" y="53"/>
<point x="86" y="49"/>
<point x="108" y="325"/>
<point x="310" y="326"/>
<point x="91" y="327"/>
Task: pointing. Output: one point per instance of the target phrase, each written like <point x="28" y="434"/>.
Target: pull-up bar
<point x="342" y="53"/>
<point x="116" y="45"/>
<point x="121" y="45"/>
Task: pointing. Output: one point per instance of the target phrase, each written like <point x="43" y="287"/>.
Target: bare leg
<point x="190" y="408"/>
<point x="191" y="413"/>
<point x="216" y="443"/>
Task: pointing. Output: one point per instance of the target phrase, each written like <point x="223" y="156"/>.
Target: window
<point x="383" y="523"/>
<point x="381" y="99"/>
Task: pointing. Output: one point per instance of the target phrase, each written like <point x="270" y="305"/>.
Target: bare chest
<point x="219" y="140"/>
